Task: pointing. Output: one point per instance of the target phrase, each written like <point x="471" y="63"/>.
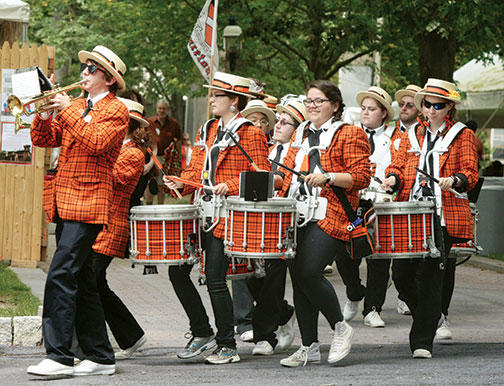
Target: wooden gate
<point x="23" y="230"/>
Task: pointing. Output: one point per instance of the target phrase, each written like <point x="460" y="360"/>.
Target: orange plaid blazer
<point x="128" y="168"/>
<point x="231" y="161"/>
<point x="461" y="159"/>
<point x="348" y="153"/>
<point x="83" y="184"/>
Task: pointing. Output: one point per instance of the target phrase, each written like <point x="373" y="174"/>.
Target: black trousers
<point x="421" y="281"/>
<point x="312" y="291"/>
<point x="376" y="284"/>
<point x="216" y="265"/>
<point x="71" y="298"/>
<point x="190" y="299"/>
<point x="122" y="323"/>
<point x="271" y="309"/>
<point x="349" y="272"/>
<point x="243" y="305"/>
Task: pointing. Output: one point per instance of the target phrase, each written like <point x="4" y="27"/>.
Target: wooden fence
<point x="23" y="231"/>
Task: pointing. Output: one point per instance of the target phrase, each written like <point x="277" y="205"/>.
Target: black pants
<point x="448" y="284"/>
<point x="349" y="272"/>
<point x="216" y="265"/>
<point x="190" y="299"/>
<point x="271" y="309"/>
<point x="122" y="323"/>
<point x="243" y="305"/>
<point x="71" y="299"/>
<point x="376" y="284"/>
<point x="312" y="291"/>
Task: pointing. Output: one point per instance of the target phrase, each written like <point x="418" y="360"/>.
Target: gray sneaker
<point x="196" y="346"/>
<point x="223" y="355"/>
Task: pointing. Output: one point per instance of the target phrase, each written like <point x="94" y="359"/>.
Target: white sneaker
<point x="341" y="343"/>
<point x="422" y="353"/>
<point x="286" y="333"/>
<point x="247" y="336"/>
<point x="127" y="353"/>
<point x="302" y="356"/>
<point x="87" y="367"/>
<point x="223" y="355"/>
<point x="50" y="367"/>
<point x="373" y="319"/>
<point x="443" y="331"/>
<point x="262" y="347"/>
<point x="402" y="308"/>
<point x="350" y="310"/>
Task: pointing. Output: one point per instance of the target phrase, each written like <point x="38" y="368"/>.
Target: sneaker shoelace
<point x="301" y="354"/>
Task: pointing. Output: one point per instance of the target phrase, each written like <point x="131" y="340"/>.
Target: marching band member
<point x="376" y="111"/>
<point x="332" y="153"/>
<point x="220" y="166"/>
<point x="272" y="311"/>
<point x="112" y="241"/>
<point x="90" y="133"/>
<point x="447" y="151"/>
<point x="408" y="117"/>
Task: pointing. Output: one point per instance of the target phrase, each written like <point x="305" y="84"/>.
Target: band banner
<point x="202" y="44"/>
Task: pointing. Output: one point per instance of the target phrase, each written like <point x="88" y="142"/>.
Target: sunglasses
<point x="437" y="106"/>
<point x="92" y="68"/>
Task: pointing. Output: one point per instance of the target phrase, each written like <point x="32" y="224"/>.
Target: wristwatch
<point x="327" y="177"/>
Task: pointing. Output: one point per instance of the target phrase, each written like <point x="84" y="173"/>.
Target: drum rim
<point x="158" y="211"/>
<point x="238" y="203"/>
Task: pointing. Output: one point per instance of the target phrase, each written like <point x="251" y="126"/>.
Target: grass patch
<point x="496" y="256"/>
<point x="16" y="299"/>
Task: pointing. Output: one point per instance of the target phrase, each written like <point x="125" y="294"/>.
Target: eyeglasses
<point x="408" y="105"/>
<point x="218" y="95"/>
<point x="92" y="68"/>
<point x="437" y="106"/>
<point x="261" y="121"/>
<point x="283" y="122"/>
<point x="317" y="102"/>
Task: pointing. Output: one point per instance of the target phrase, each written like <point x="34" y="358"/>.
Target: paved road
<point x="475" y="356"/>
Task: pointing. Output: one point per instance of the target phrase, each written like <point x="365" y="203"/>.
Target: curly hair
<point x="332" y="92"/>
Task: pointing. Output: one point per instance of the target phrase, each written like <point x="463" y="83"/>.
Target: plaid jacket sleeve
<point x="46" y="132"/>
<point x="103" y="131"/>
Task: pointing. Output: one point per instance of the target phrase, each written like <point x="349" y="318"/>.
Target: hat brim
<point x="270" y="115"/>
<point x="401" y="93"/>
<point x="86" y="55"/>
<point x="365" y="94"/>
<point x="143" y="122"/>
<point x="419" y="97"/>
<point x="283" y="109"/>
<point x="226" y="90"/>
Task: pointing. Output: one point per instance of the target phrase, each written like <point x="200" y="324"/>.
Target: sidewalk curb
<point x="486" y="263"/>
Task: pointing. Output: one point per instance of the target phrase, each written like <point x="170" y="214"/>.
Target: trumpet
<point x="17" y="106"/>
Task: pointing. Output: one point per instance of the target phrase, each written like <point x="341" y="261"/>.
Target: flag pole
<point x="214" y="43"/>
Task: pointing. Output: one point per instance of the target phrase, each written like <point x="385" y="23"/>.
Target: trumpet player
<point x="90" y="133"/>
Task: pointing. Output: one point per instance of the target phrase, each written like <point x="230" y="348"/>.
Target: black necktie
<point x="274" y="166"/>
<point x="314" y="156"/>
<point x="215" y="154"/>
<point x="88" y="108"/>
<point x="430" y="162"/>
<point x="371" y="139"/>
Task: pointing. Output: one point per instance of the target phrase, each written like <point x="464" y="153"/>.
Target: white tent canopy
<point x="14" y="10"/>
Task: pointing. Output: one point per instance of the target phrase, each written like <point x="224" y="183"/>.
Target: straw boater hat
<point x="136" y="111"/>
<point x="438" y="88"/>
<point x="270" y="101"/>
<point x="110" y="62"/>
<point x="294" y="108"/>
<point x="410" y="90"/>
<point x="257" y="106"/>
<point x="381" y="96"/>
<point x="230" y="83"/>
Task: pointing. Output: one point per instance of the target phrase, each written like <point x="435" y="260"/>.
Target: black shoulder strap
<point x="352" y="216"/>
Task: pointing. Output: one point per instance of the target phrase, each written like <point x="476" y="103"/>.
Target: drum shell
<point x="471" y="247"/>
<point x="258" y="230"/>
<point x="404" y="230"/>
<point x="159" y="234"/>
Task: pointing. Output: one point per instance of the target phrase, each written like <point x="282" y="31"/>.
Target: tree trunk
<point x="437" y="57"/>
<point x="177" y="109"/>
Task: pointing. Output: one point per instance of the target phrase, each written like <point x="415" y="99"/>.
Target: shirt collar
<point x="326" y="126"/>
<point x="229" y="123"/>
<point x="378" y="131"/>
<point x="98" y="98"/>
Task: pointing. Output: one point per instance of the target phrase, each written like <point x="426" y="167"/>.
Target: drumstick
<point x="243" y="151"/>
<point x="457" y="194"/>
<point x="192" y="183"/>
<point x="301" y="176"/>
<point x="158" y="164"/>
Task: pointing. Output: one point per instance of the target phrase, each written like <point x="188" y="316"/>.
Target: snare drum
<point x="404" y="230"/>
<point x="471" y="247"/>
<point x="260" y="230"/>
<point x="238" y="269"/>
<point x="165" y="234"/>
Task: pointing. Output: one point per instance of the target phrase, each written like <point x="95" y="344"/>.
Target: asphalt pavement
<point x="378" y="356"/>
